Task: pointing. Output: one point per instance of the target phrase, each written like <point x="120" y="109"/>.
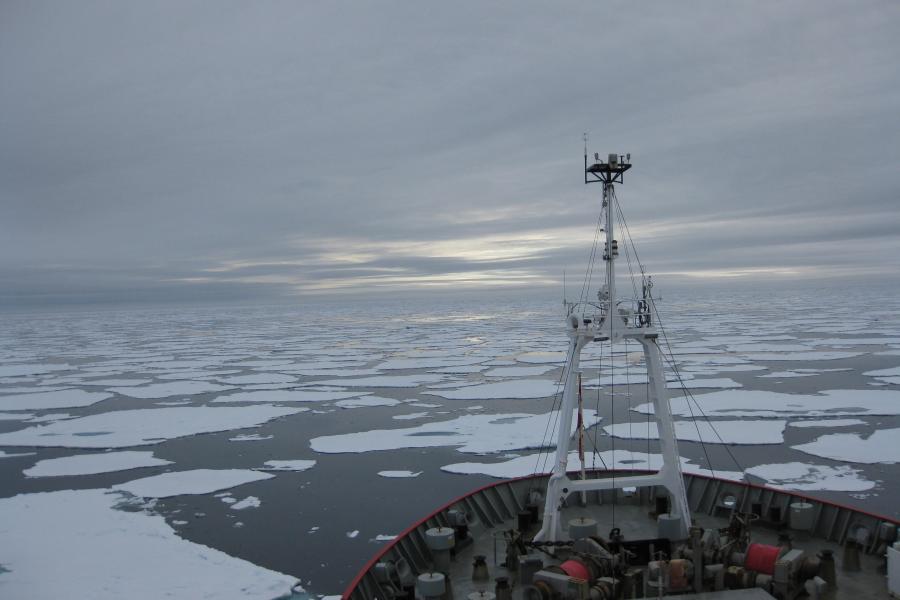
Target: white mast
<point x="611" y="325"/>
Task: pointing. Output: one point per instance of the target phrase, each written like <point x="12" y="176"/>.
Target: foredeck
<point x="494" y="509"/>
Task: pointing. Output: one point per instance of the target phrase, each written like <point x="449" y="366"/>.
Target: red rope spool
<point x="576" y="569"/>
<point x="761" y="558"/>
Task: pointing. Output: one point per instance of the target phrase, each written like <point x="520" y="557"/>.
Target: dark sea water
<point x="322" y="524"/>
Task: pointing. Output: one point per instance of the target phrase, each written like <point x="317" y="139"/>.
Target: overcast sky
<point x="181" y="150"/>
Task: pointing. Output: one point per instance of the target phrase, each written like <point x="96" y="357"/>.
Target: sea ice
<point x="142" y="427"/>
<point x="174" y="388"/>
<point x="519" y="371"/>
<point x="474" y="434"/>
<point x="410" y="416"/>
<point x="288" y="465"/>
<point x="353" y="534"/>
<point x="760" y="403"/>
<point x="86" y="539"/>
<point x="367" y="401"/>
<point x="15" y="416"/>
<point x="694" y="384"/>
<point x="766" y="431"/>
<point x="250" y="437"/>
<point x="880" y="447"/>
<point x="827" y="423"/>
<point x="48" y="400"/>
<point x="386" y="381"/>
<point x="794" y="475"/>
<point x="90" y="464"/>
<point x="33" y="369"/>
<point x="248" y="502"/>
<point x="286" y="396"/>
<point x="399" y="474"/>
<point x="519" y="389"/>
<point x="801" y="356"/>
<point x="195" y="481"/>
<point x="258" y="378"/>
<point x="542" y="357"/>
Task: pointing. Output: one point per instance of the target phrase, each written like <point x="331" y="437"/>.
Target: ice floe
<point x="30" y="369"/>
<point x="827" y="423"/>
<point x="142" y="427"/>
<point x="15" y="416"/>
<point x="399" y="474"/>
<point x="195" y="481"/>
<point x="90" y="464"/>
<point x="760" y="403"/>
<point x="367" y="401"/>
<point x="386" y="381"/>
<point x="766" y="431"/>
<point x="175" y="388"/>
<point x="288" y="465"/>
<point x="47" y="400"/>
<point x="410" y="416"/>
<point x="801" y="356"/>
<point x="85" y="539"/>
<point x="694" y="384"/>
<point x="793" y="475"/>
<point x="519" y="371"/>
<point x="287" y="396"/>
<point x="248" y="502"/>
<point x="879" y="447"/>
<point x="516" y="389"/>
<point x="250" y="437"/>
<point x="258" y="378"/>
<point x="474" y="434"/>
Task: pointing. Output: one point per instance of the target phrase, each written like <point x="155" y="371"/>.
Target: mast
<point x="604" y="322"/>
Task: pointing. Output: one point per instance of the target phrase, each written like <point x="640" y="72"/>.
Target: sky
<point x="154" y="151"/>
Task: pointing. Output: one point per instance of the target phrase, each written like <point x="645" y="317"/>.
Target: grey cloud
<point x="144" y="146"/>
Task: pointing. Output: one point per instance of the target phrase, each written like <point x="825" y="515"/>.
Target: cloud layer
<point x="197" y="150"/>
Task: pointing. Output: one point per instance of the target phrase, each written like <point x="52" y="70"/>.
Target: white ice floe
<point x="765" y="431"/>
<point x="5" y="454"/>
<point x="50" y="400"/>
<point x="410" y="416"/>
<point x="827" y="423"/>
<point x="399" y="474"/>
<point x="460" y="370"/>
<point x="892" y="372"/>
<point x="367" y="401"/>
<point x="760" y="403"/>
<point x="258" y="378"/>
<point x="801" y="356"/>
<point x="801" y="476"/>
<point x="424" y="405"/>
<point x="142" y="427"/>
<point x="880" y="447"/>
<point x="250" y="437"/>
<point x="794" y="475"/>
<point x="475" y="434"/>
<point x="392" y="364"/>
<point x="518" y="389"/>
<point x="195" y="481"/>
<point x="386" y="381"/>
<point x="248" y="502"/>
<point x="353" y="534"/>
<point x="788" y="374"/>
<point x="32" y="369"/>
<point x="383" y="537"/>
<point x="116" y="382"/>
<point x="542" y="357"/>
<point x="90" y="464"/>
<point x="16" y="416"/>
<point x="174" y="388"/>
<point x="694" y="384"/>
<point x="287" y="396"/>
<point x="519" y="371"/>
<point x="85" y="539"/>
<point x="288" y="465"/>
